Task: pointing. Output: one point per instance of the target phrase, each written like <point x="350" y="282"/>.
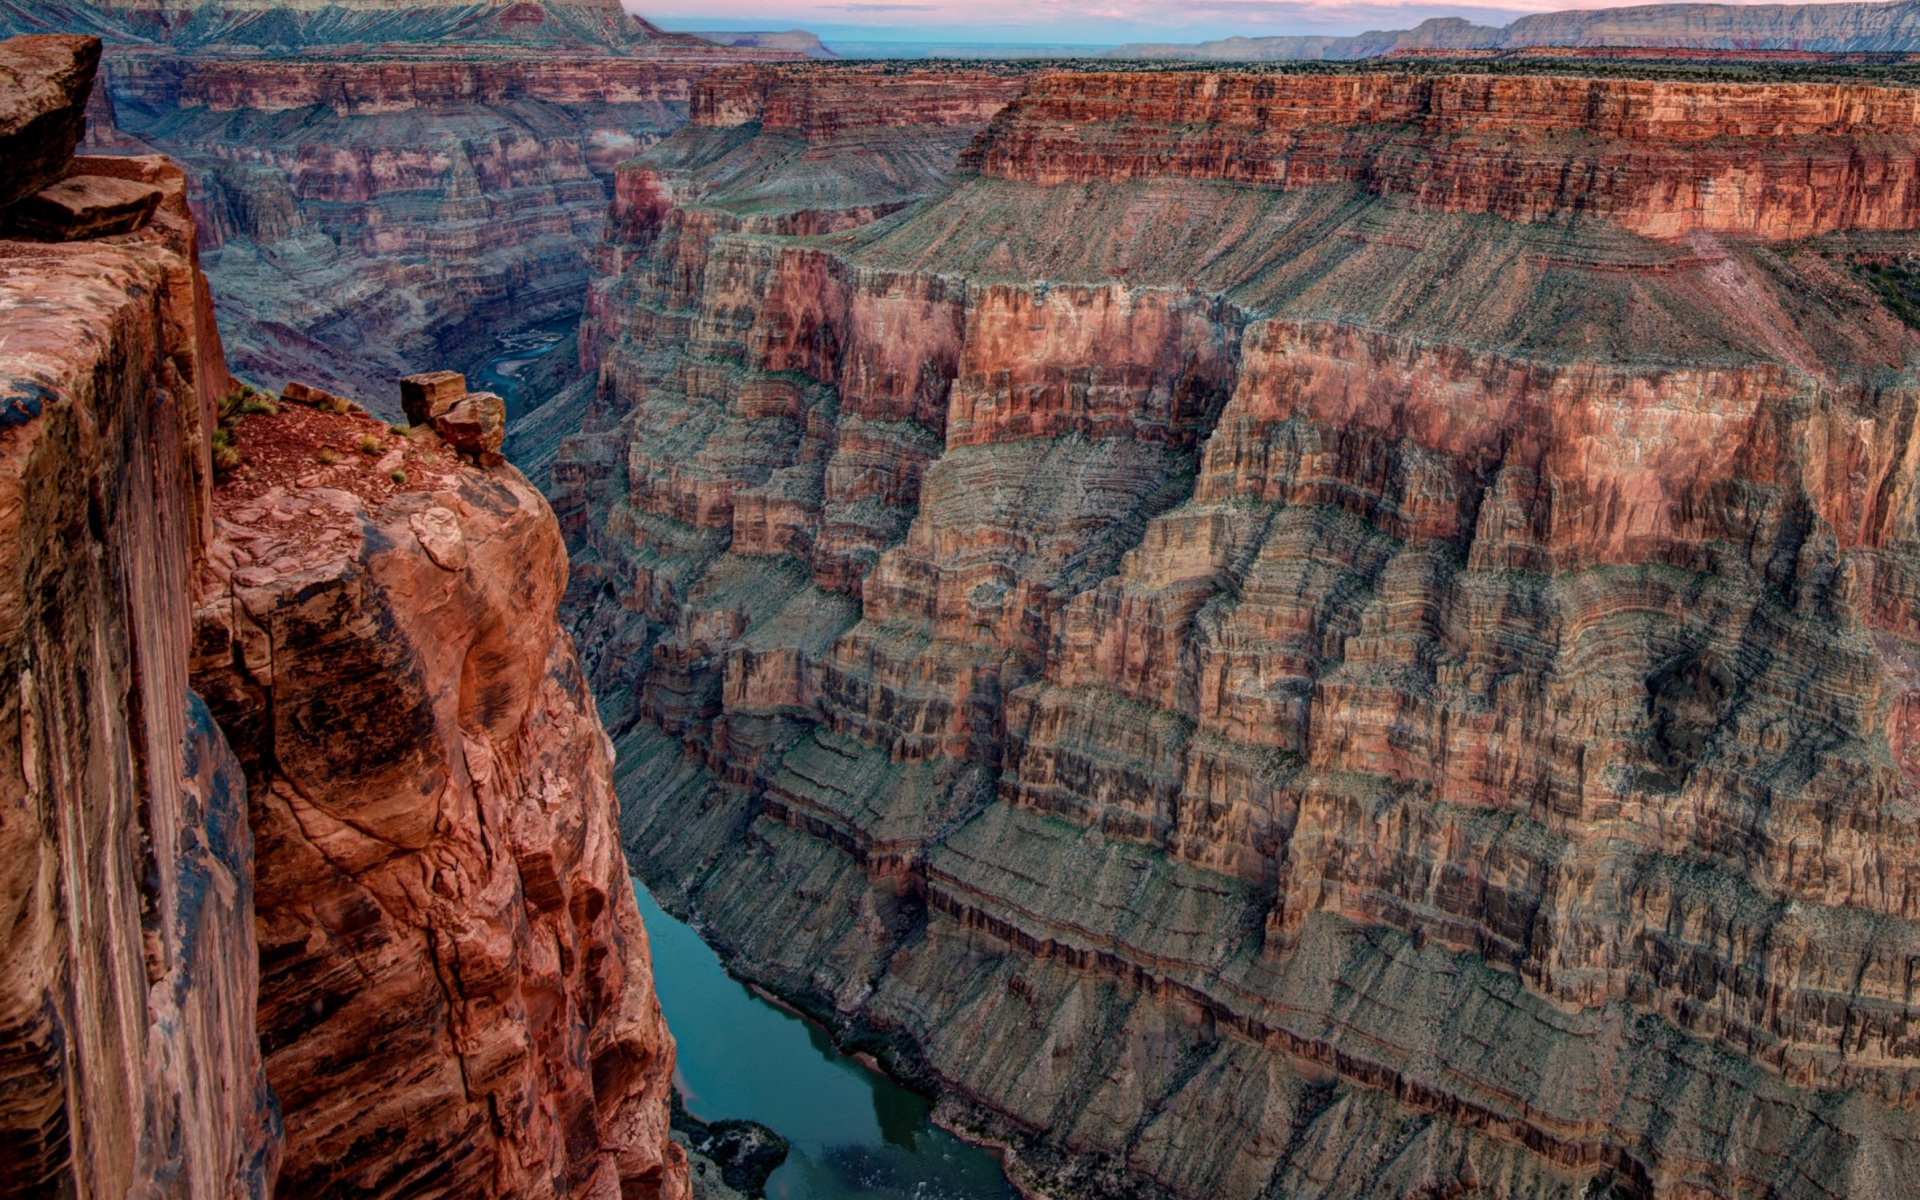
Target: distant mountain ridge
<point x="1831" y="28"/>
<point x="283" y="25"/>
<point x="799" y="41"/>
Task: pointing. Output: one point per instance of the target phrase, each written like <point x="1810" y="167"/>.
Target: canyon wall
<point x="387" y="188"/>
<point x="455" y="991"/>
<point x="1659" y="159"/>
<point x="358" y="922"/>
<point x="1331" y="636"/>
<point x="128" y="1062"/>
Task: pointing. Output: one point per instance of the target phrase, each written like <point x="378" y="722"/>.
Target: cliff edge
<point x="360" y="924"/>
<point x="455" y="983"/>
<point x="128" y="1062"/>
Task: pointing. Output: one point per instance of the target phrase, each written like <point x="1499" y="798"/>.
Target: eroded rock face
<point x="455" y="989"/>
<point x="44" y="84"/>
<point x="385" y="188"/>
<point x="1262" y="670"/>
<point x="128" y="1061"/>
<point x="1661" y="159"/>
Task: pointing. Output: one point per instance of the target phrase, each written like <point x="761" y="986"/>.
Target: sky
<point x="1071" y="22"/>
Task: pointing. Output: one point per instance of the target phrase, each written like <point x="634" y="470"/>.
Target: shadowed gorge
<point x="1301" y="635"/>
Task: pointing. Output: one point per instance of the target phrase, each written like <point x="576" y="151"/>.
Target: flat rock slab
<point x="85" y="206"/>
<point x="44" y="82"/>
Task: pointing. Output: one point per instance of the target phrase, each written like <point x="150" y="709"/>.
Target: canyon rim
<point x="1338" y="631"/>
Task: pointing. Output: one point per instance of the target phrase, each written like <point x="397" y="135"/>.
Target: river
<point x="504" y="373"/>
<point x="855" y="1134"/>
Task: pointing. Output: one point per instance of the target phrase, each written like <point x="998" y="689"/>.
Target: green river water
<point x="856" y="1135"/>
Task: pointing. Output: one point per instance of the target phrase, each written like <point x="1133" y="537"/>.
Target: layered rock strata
<point x="128" y="1062"/>
<point x="385" y="188"/>
<point x="1270" y="637"/>
<point x="455" y="993"/>
<point x="1660" y="159"/>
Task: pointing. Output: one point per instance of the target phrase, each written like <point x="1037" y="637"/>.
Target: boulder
<point x="300" y="393"/>
<point x="427" y="395"/>
<point x="84" y="206"/>
<point x="475" y="427"/>
<point x="44" y="82"/>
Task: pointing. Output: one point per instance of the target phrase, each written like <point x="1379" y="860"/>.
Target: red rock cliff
<point x="1661" y="159"/>
<point x="405" y="894"/>
<point x="128" y="1061"/>
<point x="454" y="985"/>
<point x="821" y="103"/>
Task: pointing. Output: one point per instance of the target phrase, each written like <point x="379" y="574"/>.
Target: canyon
<point x="1333" y="634"/>
<point x="312" y="881"/>
<point x="386" y="188"/>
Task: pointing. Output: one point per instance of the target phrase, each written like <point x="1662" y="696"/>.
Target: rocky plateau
<point x="1335" y="634"/>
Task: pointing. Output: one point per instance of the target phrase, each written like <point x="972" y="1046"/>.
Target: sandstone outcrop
<point x="44" y="84"/>
<point x="128" y="1061"/>
<point x="455" y="990"/>
<point x="84" y="206"/>
<point x="1326" y="636"/>
<point x="473" y="424"/>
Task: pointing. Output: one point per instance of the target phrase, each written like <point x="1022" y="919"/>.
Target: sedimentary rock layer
<point x="43" y="108"/>
<point x="1660" y="159"/>
<point x="455" y="992"/>
<point x="1361" y="677"/>
<point x="128" y="1062"/>
<point x="352" y="87"/>
<point x="388" y="188"/>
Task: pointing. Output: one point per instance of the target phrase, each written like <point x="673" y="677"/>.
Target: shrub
<point x="327" y="457"/>
<point x="397" y="476"/>
<point x="226" y="452"/>
<point x="402" y="429"/>
<point x="369" y="444"/>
